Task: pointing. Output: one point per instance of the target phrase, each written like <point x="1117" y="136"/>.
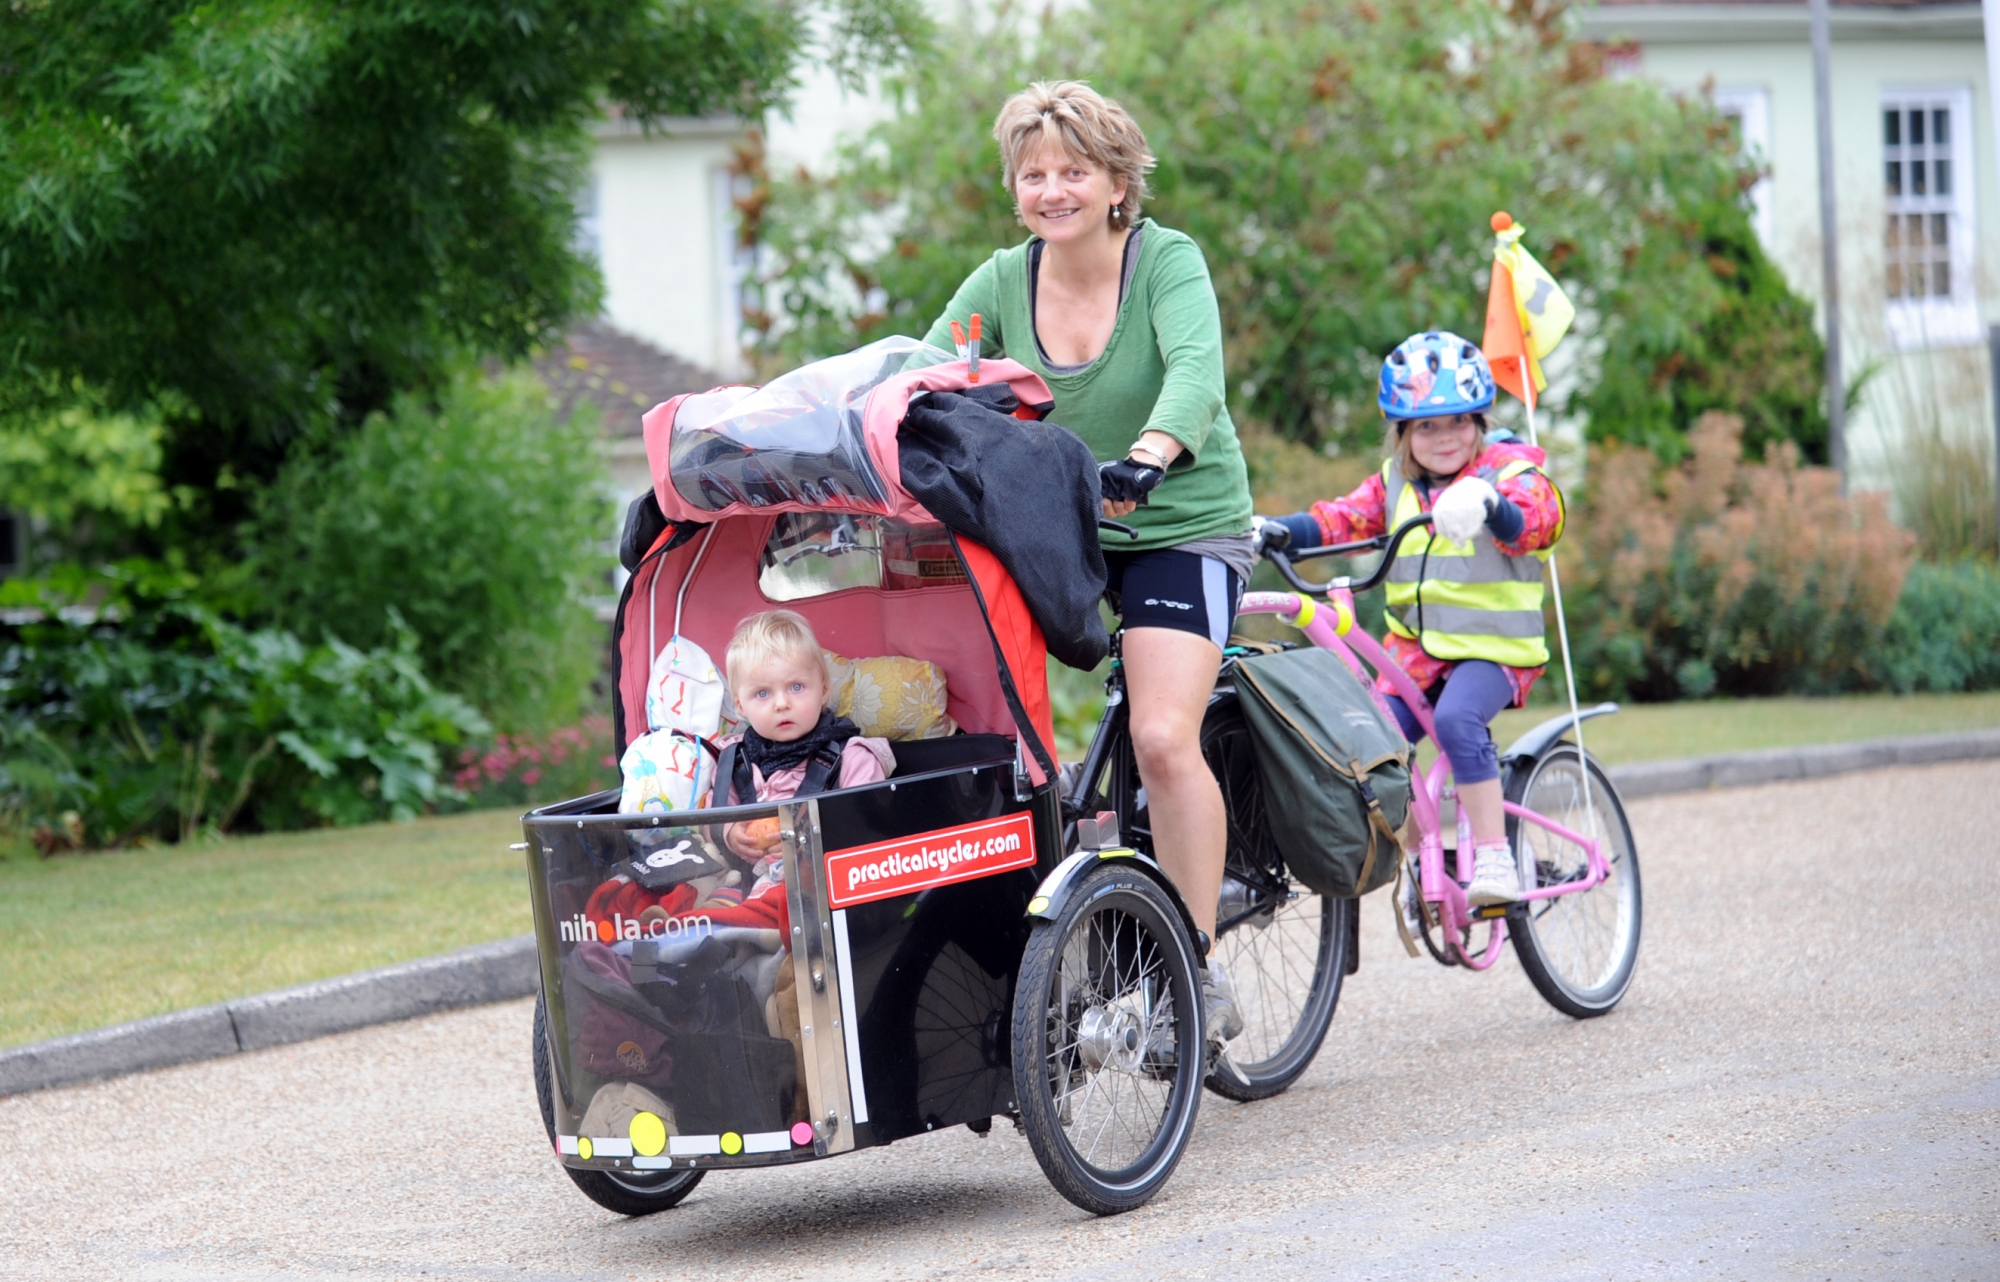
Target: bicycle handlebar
<point x="1391" y="541"/>
<point x="1116" y="527"/>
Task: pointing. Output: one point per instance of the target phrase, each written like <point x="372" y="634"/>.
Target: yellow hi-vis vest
<point x="1465" y="600"/>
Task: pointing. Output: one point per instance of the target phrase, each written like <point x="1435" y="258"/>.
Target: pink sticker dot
<point x="802" y="1133"/>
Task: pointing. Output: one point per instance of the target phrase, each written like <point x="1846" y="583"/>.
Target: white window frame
<point x="1750" y="107"/>
<point x="1936" y="321"/>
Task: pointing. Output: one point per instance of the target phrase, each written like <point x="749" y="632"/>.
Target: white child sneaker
<point x="1495" y="879"/>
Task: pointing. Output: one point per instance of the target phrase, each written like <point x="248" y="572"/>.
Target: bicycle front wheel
<point x="1107" y="1041"/>
<point x="1285" y="947"/>
<point x="1579" y="950"/>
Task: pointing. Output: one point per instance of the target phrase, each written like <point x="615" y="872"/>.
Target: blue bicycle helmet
<point x="1435" y="374"/>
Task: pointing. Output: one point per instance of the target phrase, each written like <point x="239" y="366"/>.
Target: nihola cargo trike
<point x="933" y="958"/>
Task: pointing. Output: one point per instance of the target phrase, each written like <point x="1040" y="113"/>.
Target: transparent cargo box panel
<point x="667" y="961"/>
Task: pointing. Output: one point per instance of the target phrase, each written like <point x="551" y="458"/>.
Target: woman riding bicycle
<point x="1118" y="315"/>
<point x="1465" y="598"/>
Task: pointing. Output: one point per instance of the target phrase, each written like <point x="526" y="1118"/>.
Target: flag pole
<point x="1556" y="588"/>
<point x="1510" y="335"/>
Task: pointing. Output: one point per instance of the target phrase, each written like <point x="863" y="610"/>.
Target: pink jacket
<point x="864" y="760"/>
<point x="1364" y="513"/>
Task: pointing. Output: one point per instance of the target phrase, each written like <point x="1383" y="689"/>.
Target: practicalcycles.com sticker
<point x="908" y="864"/>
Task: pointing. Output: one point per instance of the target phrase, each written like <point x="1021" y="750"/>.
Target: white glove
<point x="1460" y="512"/>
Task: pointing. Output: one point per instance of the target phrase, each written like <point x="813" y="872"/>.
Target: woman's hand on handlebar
<point x="1112" y="511"/>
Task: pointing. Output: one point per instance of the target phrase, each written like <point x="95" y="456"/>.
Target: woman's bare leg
<point x="1168" y="678"/>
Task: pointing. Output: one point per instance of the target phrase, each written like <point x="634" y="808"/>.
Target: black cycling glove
<point x="1128" y="480"/>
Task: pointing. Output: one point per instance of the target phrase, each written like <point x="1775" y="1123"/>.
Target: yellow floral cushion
<point x="890" y="697"/>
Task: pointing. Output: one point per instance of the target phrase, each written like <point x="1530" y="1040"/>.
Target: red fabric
<point x="628" y="898"/>
<point x="768" y="911"/>
<point x="1021" y="642"/>
<point x="939" y="624"/>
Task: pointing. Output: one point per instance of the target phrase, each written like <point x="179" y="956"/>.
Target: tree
<point x="1338" y="160"/>
<point x="252" y="221"/>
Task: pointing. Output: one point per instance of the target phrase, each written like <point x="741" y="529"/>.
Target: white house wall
<point x="663" y="228"/>
<point x="1947" y="380"/>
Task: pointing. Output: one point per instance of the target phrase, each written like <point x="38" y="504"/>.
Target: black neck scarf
<point x="773" y="757"/>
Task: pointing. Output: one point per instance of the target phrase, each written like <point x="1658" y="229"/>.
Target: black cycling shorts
<point x="1169" y="588"/>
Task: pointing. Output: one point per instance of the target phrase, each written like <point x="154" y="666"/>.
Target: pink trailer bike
<point x="1287" y="947"/>
<point x="1577" y="924"/>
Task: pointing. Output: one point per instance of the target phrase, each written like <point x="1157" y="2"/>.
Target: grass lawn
<point x="87" y="940"/>
<point x="1654" y="731"/>
<point x="94" y="939"/>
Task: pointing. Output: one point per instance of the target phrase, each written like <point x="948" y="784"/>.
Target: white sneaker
<point x="1494" y="877"/>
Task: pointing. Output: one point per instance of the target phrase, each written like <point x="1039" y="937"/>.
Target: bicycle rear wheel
<point x="1579" y="950"/>
<point x="1285" y="946"/>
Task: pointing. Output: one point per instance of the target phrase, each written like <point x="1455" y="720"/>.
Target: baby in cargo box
<point x="794" y="744"/>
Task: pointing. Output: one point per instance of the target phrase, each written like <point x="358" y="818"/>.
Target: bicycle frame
<point x="1330" y="626"/>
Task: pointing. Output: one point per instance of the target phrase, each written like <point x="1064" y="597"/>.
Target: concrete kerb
<point x="1744" y="769"/>
<point x="506" y="970"/>
<point x="472" y="976"/>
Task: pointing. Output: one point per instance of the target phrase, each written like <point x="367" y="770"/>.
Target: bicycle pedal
<point x="1487" y="912"/>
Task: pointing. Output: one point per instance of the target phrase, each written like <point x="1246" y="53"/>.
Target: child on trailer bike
<point x="1465" y="596"/>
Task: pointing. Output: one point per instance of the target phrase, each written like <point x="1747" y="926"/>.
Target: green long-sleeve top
<point x="1161" y="371"/>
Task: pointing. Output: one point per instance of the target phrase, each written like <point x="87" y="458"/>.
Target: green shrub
<point x="1945" y="633"/>
<point x="146" y="716"/>
<point x="477" y="520"/>
<point x="1721" y="576"/>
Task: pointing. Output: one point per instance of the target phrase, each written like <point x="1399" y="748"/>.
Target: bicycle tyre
<point x="1579" y="950"/>
<point x="1107" y="1005"/>
<point x="1287" y="964"/>
<point x="634" y="1194"/>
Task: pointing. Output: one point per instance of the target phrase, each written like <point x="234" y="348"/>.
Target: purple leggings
<point x="1473" y="695"/>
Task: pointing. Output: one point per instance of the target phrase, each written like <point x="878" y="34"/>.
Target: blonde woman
<point x="1118" y="315"/>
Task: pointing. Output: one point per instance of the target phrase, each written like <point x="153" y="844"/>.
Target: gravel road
<point x="1803" y="1081"/>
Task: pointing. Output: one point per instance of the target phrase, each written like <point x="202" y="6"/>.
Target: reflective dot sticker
<point x="1039" y="903"/>
<point x="649" y="1135"/>
<point x="732" y="1143"/>
<point x="802" y="1132"/>
<point x="583" y="1148"/>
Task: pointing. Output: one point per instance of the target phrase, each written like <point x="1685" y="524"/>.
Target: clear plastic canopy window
<point x="813" y="553"/>
<point x="797" y="439"/>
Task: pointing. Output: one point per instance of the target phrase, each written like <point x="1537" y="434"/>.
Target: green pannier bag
<point x="1336" y="770"/>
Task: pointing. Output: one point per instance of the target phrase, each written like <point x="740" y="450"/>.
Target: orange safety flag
<point x="1506" y="346"/>
<point x="1527" y="314"/>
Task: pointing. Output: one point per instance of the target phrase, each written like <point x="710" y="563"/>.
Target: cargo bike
<point x="946" y="947"/>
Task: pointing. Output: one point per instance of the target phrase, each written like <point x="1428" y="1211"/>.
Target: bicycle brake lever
<point x="1106" y="523"/>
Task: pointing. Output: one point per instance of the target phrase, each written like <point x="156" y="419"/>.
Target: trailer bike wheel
<point x="1107" y="1041"/>
<point x="627" y="1193"/>
<point x="1579" y="950"/>
<point x="1284" y="946"/>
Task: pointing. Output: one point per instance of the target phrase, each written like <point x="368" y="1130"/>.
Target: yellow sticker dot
<point x="1039" y="903"/>
<point x="584" y="1147"/>
<point x="732" y="1143"/>
<point x="649" y="1134"/>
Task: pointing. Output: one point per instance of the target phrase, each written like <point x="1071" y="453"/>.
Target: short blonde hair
<point x="773" y="634"/>
<point x="1071" y="115"/>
